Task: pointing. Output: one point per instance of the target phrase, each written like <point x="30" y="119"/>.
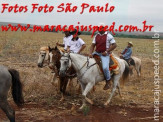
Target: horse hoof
<point x="106" y="104"/>
<point x="81" y="108"/>
<point x="61" y="100"/>
<point x="89" y="101"/>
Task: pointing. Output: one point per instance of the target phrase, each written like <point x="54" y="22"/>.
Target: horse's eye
<point x="65" y="62"/>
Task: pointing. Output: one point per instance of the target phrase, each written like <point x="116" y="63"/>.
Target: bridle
<point x="44" y="53"/>
<point x="68" y="67"/>
<point x="75" y="74"/>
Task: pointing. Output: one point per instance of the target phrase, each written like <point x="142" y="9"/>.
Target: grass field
<point x="19" y="50"/>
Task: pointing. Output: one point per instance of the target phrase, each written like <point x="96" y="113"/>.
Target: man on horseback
<point x="76" y="44"/>
<point x="104" y="43"/>
<point x="127" y="52"/>
<point x="66" y="39"/>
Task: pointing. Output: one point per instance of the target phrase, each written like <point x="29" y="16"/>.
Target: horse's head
<point x="43" y="56"/>
<point x="54" y="56"/>
<point x="65" y="62"/>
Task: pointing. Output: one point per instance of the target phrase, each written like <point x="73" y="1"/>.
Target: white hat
<point x="101" y="24"/>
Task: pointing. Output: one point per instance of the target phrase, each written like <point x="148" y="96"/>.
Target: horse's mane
<point x="81" y="56"/>
<point x="45" y="48"/>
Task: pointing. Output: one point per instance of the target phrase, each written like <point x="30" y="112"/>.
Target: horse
<point x="137" y="65"/>
<point x="43" y="57"/>
<point x="89" y="74"/>
<point x="54" y="63"/>
<point x="43" y="61"/>
<point x="10" y="78"/>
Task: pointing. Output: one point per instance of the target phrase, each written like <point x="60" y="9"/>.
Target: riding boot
<point x="107" y="85"/>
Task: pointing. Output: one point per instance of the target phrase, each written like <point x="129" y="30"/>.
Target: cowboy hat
<point x="130" y="43"/>
<point x="101" y="24"/>
<point x="75" y="32"/>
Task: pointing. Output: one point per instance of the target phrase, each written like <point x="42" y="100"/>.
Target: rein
<point x="88" y="67"/>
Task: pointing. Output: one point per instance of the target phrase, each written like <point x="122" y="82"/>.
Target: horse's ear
<point x="49" y="48"/>
<point x="56" y="48"/>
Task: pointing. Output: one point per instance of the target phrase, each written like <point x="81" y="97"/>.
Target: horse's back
<point x="136" y="60"/>
<point x="5" y="80"/>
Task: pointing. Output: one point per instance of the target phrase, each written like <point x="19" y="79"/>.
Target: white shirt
<point x="75" y="45"/>
<point x="66" y="41"/>
<point x="110" y="39"/>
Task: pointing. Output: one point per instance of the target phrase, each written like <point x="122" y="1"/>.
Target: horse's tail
<point x="125" y="73"/>
<point x="16" y="87"/>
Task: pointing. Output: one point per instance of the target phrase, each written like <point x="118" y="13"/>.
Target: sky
<point x="126" y="12"/>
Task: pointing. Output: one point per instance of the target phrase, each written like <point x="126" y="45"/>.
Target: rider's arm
<point x="123" y="51"/>
<point x="82" y="48"/>
<point x="111" y="40"/>
<point x="128" y="53"/>
<point x="112" y="47"/>
<point x="92" y="48"/>
<point x="83" y="45"/>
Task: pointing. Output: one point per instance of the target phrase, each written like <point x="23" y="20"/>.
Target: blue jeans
<point x="105" y="64"/>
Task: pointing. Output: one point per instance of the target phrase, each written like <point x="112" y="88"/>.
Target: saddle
<point x="113" y="65"/>
<point x="130" y="61"/>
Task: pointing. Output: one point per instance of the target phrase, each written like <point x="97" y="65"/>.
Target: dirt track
<point x="42" y="113"/>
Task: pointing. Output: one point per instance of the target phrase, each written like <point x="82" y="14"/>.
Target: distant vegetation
<point x="127" y="35"/>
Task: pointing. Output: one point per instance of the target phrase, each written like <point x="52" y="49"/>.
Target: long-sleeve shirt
<point x="126" y="53"/>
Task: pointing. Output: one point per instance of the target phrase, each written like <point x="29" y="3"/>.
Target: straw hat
<point x="130" y="43"/>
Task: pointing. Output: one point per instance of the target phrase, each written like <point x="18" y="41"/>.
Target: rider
<point x="104" y="43"/>
<point x="76" y="44"/>
<point x="66" y="39"/>
<point x="127" y="52"/>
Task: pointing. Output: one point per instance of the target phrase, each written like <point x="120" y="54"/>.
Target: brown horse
<point x="55" y="66"/>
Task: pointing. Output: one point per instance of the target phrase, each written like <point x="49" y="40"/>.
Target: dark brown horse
<point x="55" y="56"/>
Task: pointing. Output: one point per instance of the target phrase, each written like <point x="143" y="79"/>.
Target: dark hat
<point x="75" y="32"/>
<point x="66" y="29"/>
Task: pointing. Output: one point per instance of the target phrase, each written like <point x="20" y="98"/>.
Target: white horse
<point x="137" y="65"/>
<point x="89" y="74"/>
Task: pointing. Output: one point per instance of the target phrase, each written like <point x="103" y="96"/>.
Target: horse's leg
<point x="138" y="70"/>
<point x="79" y="89"/>
<point x="7" y="109"/>
<point x="131" y="70"/>
<point x="64" y="85"/>
<point x="89" y="86"/>
<point x="84" y="101"/>
<point x="54" y="80"/>
<point x="71" y="85"/>
<point x="119" y="89"/>
<point x="61" y="88"/>
<point x="115" y="81"/>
